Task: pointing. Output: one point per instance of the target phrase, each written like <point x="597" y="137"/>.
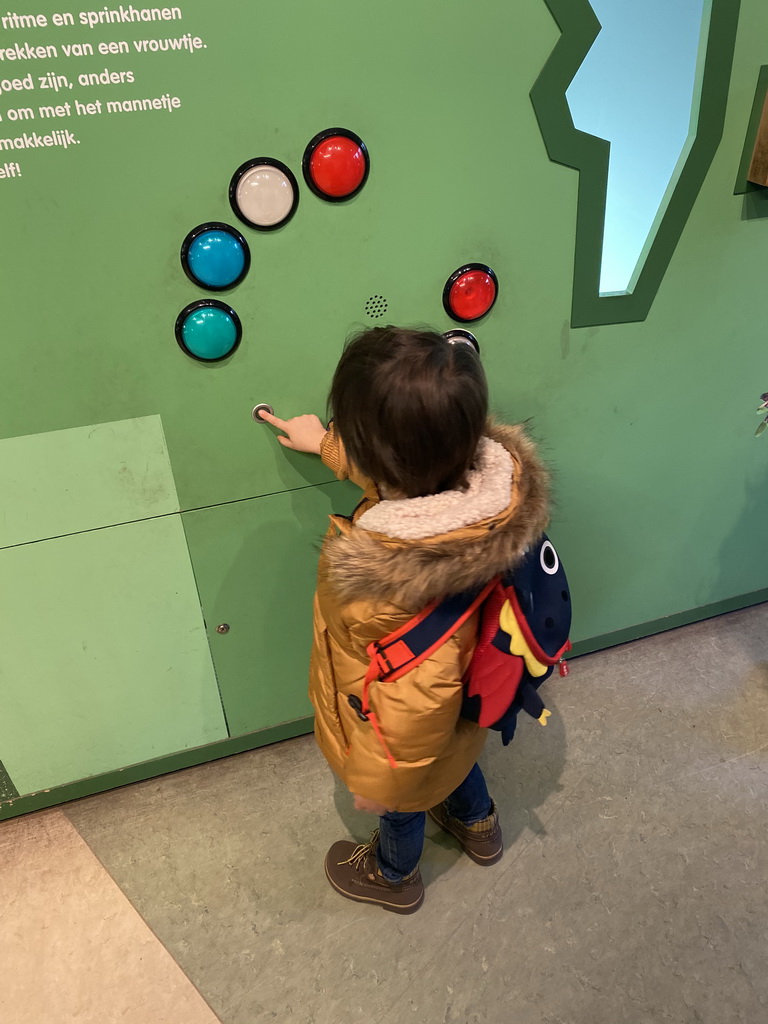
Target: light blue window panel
<point x="639" y="88"/>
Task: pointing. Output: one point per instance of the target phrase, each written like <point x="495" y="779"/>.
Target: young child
<point x="449" y="501"/>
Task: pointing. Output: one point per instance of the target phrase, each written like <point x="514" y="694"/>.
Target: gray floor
<point x="633" y="888"/>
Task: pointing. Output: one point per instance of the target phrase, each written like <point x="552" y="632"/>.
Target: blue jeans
<point x="401" y="836"/>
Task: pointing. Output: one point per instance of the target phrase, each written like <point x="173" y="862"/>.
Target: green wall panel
<point x="412" y="225"/>
<point x="661" y="486"/>
<point x="104" y="659"/>
<point x="255" y="568"/>
<point x="68" y="481"/>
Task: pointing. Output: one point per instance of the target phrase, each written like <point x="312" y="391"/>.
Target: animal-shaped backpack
<point x="525" y="619"/>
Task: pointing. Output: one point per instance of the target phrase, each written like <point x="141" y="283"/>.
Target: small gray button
<point x="258" y="409"/>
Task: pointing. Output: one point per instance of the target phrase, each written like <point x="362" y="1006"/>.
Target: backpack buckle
<point x="392" y="658"/>
<point x="357" y="706"/>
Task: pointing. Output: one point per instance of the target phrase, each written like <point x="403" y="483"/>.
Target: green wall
<point x="660" y="484"/>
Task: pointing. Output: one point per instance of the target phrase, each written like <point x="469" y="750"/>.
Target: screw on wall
<point x="223" y="628"/>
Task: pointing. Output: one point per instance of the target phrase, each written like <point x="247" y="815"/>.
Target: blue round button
<point x="208" y="330"/>
<point x="215" y="256"/>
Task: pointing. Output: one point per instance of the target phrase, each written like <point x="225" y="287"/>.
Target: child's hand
<point x="369" y="806"/>
<point x="304" y="432"/>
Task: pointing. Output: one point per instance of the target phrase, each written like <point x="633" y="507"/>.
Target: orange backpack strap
<point x="406" y="648"/>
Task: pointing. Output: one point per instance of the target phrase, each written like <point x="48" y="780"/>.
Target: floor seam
<point x="136" y="910"/>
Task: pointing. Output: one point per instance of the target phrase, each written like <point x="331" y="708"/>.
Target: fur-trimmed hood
<point x="390" y="552"/>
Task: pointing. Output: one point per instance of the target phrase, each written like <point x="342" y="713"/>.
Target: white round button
<point x="264" y="194"/>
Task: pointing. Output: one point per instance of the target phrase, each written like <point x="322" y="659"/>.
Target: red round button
<point x="336" y="164"/>
<point x="470" y="292"/>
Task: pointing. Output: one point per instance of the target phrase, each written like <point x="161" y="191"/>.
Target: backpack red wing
<point x="494" y="677"/>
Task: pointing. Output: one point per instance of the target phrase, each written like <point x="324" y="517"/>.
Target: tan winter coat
<point x="378" y="569"/>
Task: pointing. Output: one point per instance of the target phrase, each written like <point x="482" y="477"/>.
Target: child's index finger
<point x="271" y="418"/>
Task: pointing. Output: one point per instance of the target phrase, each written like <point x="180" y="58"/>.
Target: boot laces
<point x="362" y="852"/>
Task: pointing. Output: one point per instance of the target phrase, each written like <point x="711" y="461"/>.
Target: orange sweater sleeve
<point x="333" y="455"/>
<point x="335" y="458"/>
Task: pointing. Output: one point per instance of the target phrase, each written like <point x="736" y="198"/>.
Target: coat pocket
<point x="325" y="697"/>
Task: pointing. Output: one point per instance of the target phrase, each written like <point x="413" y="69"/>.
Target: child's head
<point x="410" y="409"/>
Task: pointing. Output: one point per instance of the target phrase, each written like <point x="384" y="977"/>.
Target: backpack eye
<point x="550" y="563"/>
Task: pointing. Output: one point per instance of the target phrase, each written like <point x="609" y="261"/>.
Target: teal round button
<point x="208" y="330"/>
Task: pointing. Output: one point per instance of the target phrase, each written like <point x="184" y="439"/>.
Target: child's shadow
<point x="520" y="778"/>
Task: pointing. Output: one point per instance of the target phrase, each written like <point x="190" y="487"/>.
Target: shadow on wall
<point x="289" y="463"/>
<point x="267" y="551"/>
<point x="737" y="560"/>
<point x="755" y="205"/>
<point x="521" y="777"/>
<point x="586" y="533"/>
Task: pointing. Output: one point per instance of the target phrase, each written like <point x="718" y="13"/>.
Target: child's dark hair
<point x="410" y="408"/>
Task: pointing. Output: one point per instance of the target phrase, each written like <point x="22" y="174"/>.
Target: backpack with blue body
<point x="525" y="620"/>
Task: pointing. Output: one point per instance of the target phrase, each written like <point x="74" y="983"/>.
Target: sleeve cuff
<point x="331" y="453"/>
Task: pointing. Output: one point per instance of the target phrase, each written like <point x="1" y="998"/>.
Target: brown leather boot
<point x="354" y="873"/>
<point x="482" y="842"/>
